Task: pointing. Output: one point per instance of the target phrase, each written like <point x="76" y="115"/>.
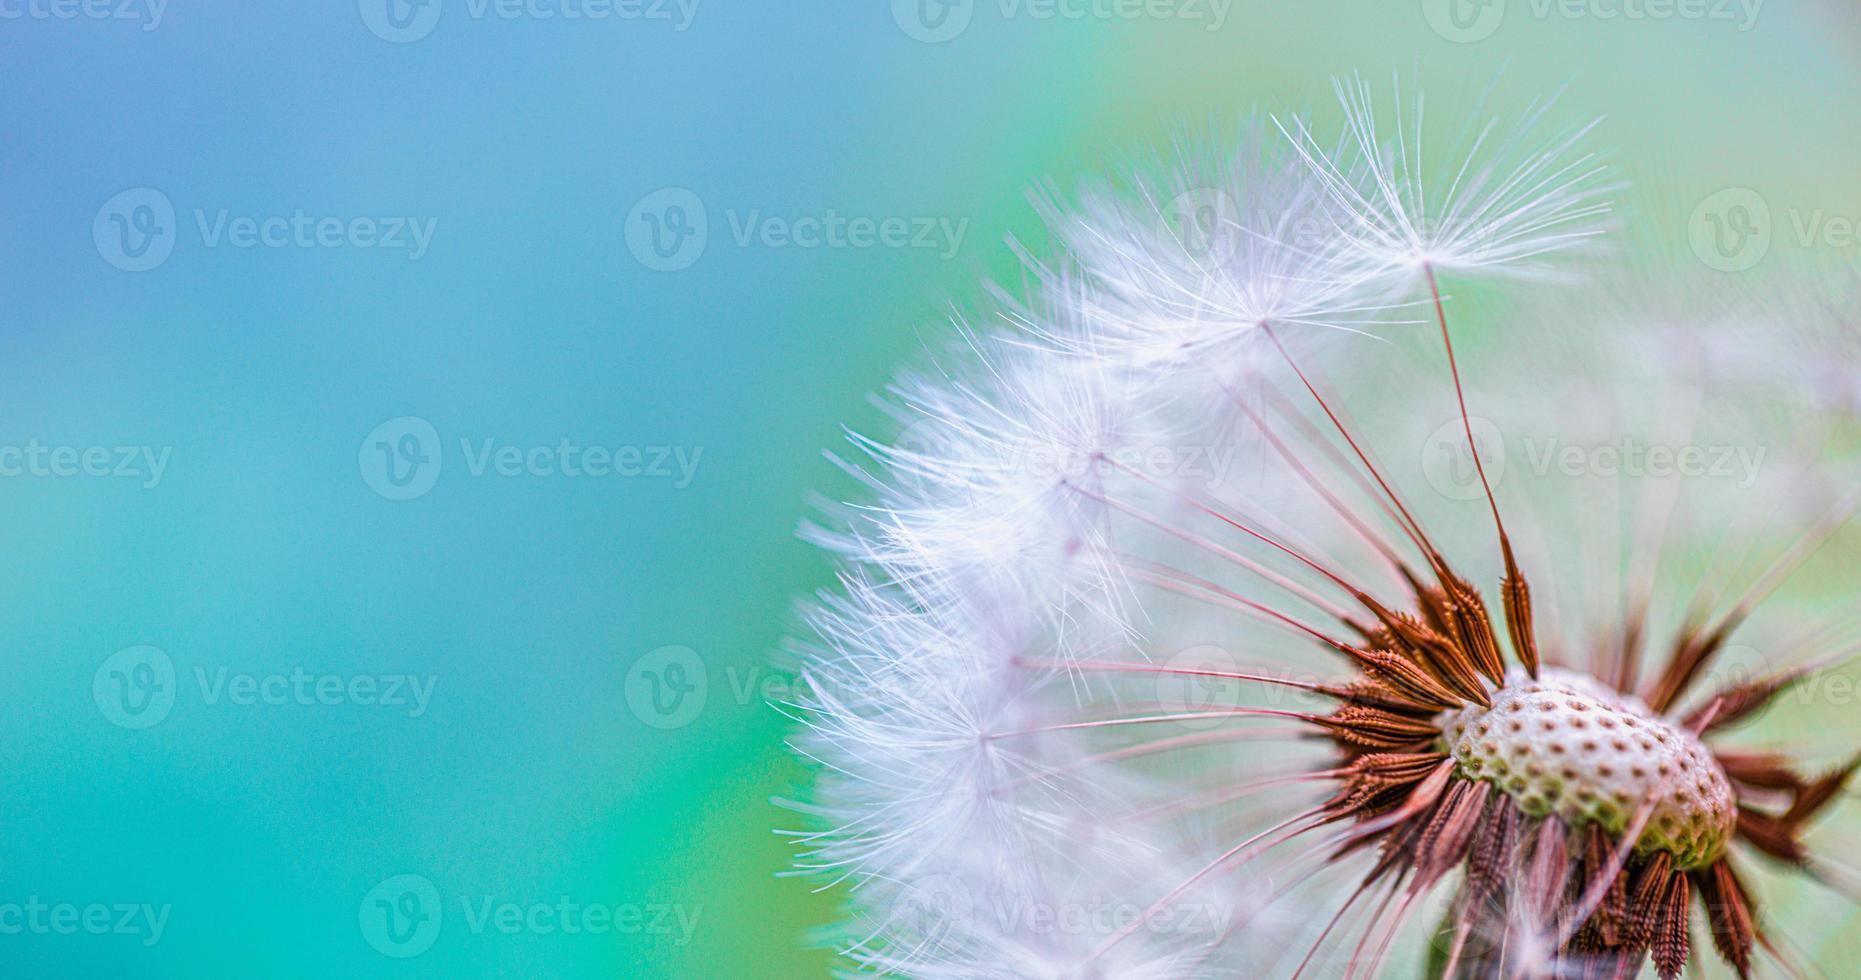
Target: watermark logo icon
<point x="1464" y="21"/>
<point x="1450" y="464"/>
<point x="1192" y="683"/>
<point x="400" y="459"/>
<point x="667" y="687"/>
<point x="1735" y="666"/>
<point x="400" y="21"/>
<point x="667" y="229"/>
<point x="1731" y="230"/>
<point x="135" y="687"/>
<point x="933" y="21"/>
<point x="135" y="230"/>
<point x="1205" y="222"/>
<point x="932" y="912"/>
<point x="400" y="916"/>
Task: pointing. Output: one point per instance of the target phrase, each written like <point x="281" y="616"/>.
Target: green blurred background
<point x="299" y="388"/>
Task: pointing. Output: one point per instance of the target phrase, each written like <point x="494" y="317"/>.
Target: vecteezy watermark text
<point x="936" y="21"/>
<point x="1467" y="21"/>
<point x="302" y="687"/>
<point x="405" y="21"/>
<point x="1454" y="467"/>
<point x="147" y="13"/>
<point x="679" y="464"/>
<point x="401" y="459"/>
<point x="301" y="230"/>
<point x="137" y="687"/>
<point x="37" y="917"/>
<point x="138" y="229"/>
<point x="669" y="229"/>
<point x="1632" y="458"/>
<point x="937" y="908"/>
<point x="45" y="461"/>
<point x="489" y="913"/>
<point x="402" y="916"/>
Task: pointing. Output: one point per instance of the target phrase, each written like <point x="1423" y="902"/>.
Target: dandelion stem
<point x="1409" y="524"/>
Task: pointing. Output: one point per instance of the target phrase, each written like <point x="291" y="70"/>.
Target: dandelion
<point x="1119" y="682"/>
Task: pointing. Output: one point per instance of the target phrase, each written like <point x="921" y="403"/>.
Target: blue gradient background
<point x="529" y="599"/>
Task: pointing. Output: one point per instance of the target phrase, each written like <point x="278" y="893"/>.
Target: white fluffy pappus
<point x="1180" y="267"/>
<point x="1505" y="199"/>
<point x="1074" y="703"/>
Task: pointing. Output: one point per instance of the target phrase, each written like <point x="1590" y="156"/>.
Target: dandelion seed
<point x="1506" y="201"/>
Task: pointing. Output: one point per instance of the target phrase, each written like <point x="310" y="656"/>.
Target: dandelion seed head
<point x="1082" y="706"/>
<point x="1564" y="744"/>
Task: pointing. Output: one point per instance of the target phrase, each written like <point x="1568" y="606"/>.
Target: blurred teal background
<point x="585" y="789"/>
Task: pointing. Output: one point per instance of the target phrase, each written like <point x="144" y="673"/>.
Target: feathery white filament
<point x="1508" y="199"/>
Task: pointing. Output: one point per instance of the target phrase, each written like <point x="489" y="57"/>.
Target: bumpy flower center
<point x="1565" y="745"/>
